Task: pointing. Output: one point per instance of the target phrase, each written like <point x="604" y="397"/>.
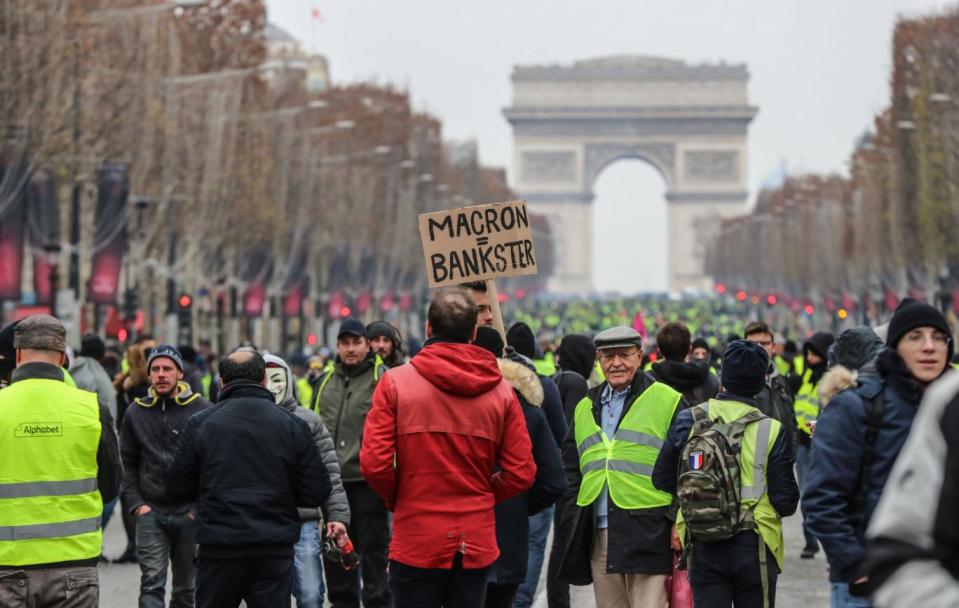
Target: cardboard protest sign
<point x="477" y="243"/>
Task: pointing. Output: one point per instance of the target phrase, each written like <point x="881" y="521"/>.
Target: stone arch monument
<point x="687" y="121"/>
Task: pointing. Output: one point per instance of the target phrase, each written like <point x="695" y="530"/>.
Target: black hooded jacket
<point x="819" y="343"/>
<point x="694" y="380"/>
<point x="577" y="355"/>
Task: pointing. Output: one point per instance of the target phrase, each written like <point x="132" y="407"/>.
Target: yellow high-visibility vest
<point x="50" y="506"/>
<point x="625" y="462"/>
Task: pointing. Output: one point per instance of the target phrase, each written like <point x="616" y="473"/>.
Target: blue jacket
<point x="833" y="512"/>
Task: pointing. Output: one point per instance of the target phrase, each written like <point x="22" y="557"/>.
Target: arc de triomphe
<point x="687" y="121"/>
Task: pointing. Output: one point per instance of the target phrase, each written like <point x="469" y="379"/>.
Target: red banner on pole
<point x="12" y="216"/>
<point x="110" y="238"/>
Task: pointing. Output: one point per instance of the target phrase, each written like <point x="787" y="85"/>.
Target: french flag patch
<point x="695" y="461"/>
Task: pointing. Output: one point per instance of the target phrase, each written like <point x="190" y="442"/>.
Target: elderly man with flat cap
<point x="60" y="465"/>
<point x="618" y="525"/>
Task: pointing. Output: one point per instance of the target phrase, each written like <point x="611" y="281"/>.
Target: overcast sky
<point x="819" y="72"/>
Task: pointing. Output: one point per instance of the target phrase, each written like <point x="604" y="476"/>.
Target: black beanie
<point x="381" y="328"/>
<point x="489" y="339"/>
<point x="745" y="365"/>
<point x="521" y="338"/>
<point x="7" y="351"/>
<point x="700" y="343"/>
<point x="911" y="315"/>
<point x="92" y="346"/>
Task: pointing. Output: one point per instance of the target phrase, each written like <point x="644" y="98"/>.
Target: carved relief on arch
<point x="660" y="155"/>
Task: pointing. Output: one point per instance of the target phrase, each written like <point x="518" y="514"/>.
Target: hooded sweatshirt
<point x="89" y="375"/>
<point x="437" y="428"/>
<point x="336" y="507"/>
<point x="577" y="355"/>
<point x="693" y="380"/>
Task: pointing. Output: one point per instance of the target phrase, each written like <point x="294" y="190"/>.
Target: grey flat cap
<point x="40" y="332"/>
<point x="618" y="337"/>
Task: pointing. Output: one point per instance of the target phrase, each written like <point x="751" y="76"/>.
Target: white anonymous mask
<point x="276" y="382"/>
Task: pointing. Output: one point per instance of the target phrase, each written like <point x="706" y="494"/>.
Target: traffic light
<point x="131" y="303"/>
<point x="184" y="315"/>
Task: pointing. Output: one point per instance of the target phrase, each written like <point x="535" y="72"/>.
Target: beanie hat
<point x="489" y="339"/>
<point x="167" y="351"/>
<point x="854" y="348"/>
<point x="92" y="346"/>
<point x="700" y="343"/>
<point x="7" y="351"/>
<point x="911" y="315"/>
<point x="380" y="328"/>
<point x="521" y="338"/>
<point x="745" y="365"/>
<point x="819" y="343"/>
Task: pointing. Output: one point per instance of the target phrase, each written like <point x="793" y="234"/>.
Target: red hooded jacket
<point x="448" y="417"/>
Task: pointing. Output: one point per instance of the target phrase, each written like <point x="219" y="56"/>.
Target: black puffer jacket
<point x="148" y="440"/>
<point x="693" y="380"/>
<point x="248" y="464"/>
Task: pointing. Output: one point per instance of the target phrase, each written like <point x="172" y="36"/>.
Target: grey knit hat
<point x="40" y="332"/>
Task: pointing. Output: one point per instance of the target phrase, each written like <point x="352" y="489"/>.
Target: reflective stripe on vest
<point x="807" y="403"/>
<point x="758" y="441"/>
<point x="378" y="367"/>
<point x="625" y="463"/>
<point x="50" y="507"/>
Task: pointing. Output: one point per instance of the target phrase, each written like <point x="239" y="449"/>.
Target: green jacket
<point x="343" y="400"/>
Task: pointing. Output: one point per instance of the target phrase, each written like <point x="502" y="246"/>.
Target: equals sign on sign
<point x="482" y="241"/>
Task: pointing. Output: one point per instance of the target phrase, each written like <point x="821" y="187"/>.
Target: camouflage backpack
<point x="708" y="489"/>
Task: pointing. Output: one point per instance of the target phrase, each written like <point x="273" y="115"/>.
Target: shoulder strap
<point x="875" y="408"/>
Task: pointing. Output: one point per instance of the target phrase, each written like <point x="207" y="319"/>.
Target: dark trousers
<point x="557" y="592"/>
<point x="438" y="587"/>
<point x="500" y="595"/>
<point x="370" y="532"/>
<point x="726" y="573"/>
<point x="802" y="465"/>
<point x="50" y="587"/>
<point x="261" y="582"/>
<point x="164" y="539"/>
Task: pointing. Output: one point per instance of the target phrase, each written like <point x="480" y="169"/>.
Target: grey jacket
<point x="89" y="375"/>
<point x="337" y="507"/>
<point x="913" y="552"/>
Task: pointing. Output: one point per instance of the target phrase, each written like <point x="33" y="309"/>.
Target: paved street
<point x="801" y="585"/>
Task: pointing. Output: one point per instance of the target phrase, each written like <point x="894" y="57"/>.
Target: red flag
<point x="316" y="14"/>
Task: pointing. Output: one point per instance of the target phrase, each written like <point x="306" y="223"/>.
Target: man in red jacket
<point x="436" y="430"/>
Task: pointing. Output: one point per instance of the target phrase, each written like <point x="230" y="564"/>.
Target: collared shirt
<point x="612" y="402"/>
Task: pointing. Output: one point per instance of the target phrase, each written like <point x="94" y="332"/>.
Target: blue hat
<point x="352" y="326"/>
<point x="165" y="350"/>
<point x="745" y="365"/>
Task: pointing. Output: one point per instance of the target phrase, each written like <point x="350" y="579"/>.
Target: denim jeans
<point x="538" y="531"/>
<point x="307" y="567"/>
<point x="164" y="539"/>
<point x="839" y="597"/>
<point x="802" y="465"/>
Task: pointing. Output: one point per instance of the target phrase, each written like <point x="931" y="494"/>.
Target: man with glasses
<point x="858" y="437"/>
<point x="618" y="524"/>
<point x="775" y="400"/>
